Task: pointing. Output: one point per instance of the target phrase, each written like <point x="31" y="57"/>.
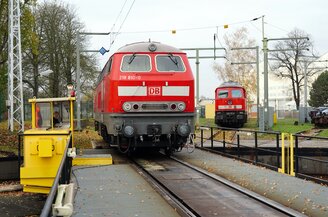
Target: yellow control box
<point x="44" y="145"/>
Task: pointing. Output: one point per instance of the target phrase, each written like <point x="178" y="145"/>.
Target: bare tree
<point x="288" y="64"/>
<point x="241" y="73"/>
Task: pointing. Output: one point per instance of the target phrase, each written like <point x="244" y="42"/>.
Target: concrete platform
<point x="116" y="190"/>
<point x="301" y="195"/>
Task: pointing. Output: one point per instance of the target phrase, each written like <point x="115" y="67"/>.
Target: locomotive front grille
<point x="156" y="107"/>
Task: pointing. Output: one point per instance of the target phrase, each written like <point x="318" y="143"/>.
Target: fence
<point x="273" y="150"/>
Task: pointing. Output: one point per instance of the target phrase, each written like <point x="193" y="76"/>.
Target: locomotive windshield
<point x="135" y="63"/>
<point x="223" y="94"/>
<point x="169" y="63"/>
<point x="233" y="93"/>
<point x="236" y="93"/>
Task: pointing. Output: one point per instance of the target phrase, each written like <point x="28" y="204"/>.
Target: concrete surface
<point x="116" y="190"/>
<point x="301" y="195"/>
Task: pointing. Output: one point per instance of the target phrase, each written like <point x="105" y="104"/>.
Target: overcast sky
<point x="155" y="19"/>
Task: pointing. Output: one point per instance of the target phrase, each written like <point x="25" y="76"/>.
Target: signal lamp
<point x="152" y="47"/>
<point x="135" y="106"/>
<point x="173" y="106"/>
<point x="126" y="106"/>
<point x="181" y="106"/>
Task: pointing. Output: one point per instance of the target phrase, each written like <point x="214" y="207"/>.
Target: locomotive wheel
<point x="168" y="151"/>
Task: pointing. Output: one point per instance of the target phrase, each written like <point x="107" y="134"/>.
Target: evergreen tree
<point x="319" y="92"/>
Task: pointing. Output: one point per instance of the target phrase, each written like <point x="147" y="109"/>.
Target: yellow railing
<point x="287" y="161"/>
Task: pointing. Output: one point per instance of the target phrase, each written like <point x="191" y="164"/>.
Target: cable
<point x="255" y="27"/>
<point x="126" y="16"/>
<point x="277" y="27"/>
<point x="187" y="29"/>
<point x="118" y="16"/>
<point x="217" y="36"/>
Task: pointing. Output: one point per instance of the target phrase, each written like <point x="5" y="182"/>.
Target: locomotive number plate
<point x="154" y="91"/>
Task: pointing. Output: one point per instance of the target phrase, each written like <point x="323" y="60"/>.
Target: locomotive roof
<point x="230" y="84"/>
<point x="144" y="47"/>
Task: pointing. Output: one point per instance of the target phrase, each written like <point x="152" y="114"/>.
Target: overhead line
<point x="118" y="15"/>
<point x="127" y="14"/>
<point x="188" y="29"/>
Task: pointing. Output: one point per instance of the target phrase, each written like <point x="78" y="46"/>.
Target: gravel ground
<point x="18" y="203"/>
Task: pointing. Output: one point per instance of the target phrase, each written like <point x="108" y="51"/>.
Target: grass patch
<point x="251" y="124"/>
<point x="323" y="133"/>
<point x="287" y="126"/>
<point x="207" y="122"/>
<point x="283" y="125"/>
<point x="82" y="140"/>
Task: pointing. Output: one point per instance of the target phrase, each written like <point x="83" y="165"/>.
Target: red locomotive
<point x="230" y="105"/>
<point x="145" y="98"/>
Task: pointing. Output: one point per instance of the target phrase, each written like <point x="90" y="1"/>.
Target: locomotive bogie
<point x="231" y="118"/>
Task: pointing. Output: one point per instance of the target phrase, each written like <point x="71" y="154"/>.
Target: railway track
<point x="195" y="192"/>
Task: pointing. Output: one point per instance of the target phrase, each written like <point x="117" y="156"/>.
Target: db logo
<point x="154" y="91"/>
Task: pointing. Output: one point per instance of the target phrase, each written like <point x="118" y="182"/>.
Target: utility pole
<point x="266" y="84"/>
<point x="15" y="103"/>
<point x="197" y="57"/>
<point x="265" y="52"/>
<point x="257" y="75"/>
<point x="78" y="70"/>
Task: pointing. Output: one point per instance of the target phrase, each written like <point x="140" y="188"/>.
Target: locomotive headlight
<point x="128" y="131"/>
<point x="183" y="130"/>
<point x="181" y="106"/>
<point x="127" y="106"/>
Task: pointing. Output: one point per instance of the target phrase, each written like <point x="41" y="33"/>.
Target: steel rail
<point x="174" y="200"/>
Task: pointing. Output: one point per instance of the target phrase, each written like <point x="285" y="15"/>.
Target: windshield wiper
<point x="174" y="59"/>
<point x="131" y="58"/>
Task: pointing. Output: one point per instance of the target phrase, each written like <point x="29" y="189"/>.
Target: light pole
<point x="78" y="70"/>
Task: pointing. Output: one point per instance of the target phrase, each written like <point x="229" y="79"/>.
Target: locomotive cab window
<point x="61" y="114"/>
<point x="42" y="115"/>
<point x="55" y="114"/>
<point x="236" y="93"/>
<point x="135" y="63"/>
<point x="223" y="94"/>
<point x="169" y="63"/>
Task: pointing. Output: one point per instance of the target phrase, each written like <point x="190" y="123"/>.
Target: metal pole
<point x="197" y="84"/>
<point x="305" y="91"/>
<point x="265" y="89"/>
<point x="258" y="85"/>
<point x="263" y="26"/>
<point x="78" y="87"/>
